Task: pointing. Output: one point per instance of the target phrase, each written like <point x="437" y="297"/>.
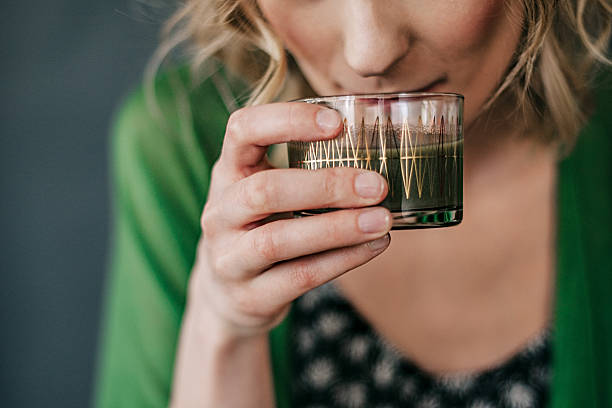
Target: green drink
<point x="422" y="161"/>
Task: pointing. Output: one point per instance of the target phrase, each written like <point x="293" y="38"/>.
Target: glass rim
<point x="381" y="95"/>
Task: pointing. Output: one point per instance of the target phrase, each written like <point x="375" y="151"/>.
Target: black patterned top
<point x="340" y="361"/>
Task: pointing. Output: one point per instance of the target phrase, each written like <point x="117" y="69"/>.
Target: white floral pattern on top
<point x="340" y="361"/>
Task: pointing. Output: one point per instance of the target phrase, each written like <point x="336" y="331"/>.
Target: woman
<point x="460" y="316"/>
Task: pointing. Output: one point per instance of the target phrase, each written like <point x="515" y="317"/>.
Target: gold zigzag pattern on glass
<point x="422" y="152"/>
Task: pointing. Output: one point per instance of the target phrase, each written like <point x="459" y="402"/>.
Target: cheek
<point x="475" y="44"/>
<point x="461" y="27"/>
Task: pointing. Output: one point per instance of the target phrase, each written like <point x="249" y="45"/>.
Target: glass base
<point x="411" y="219"/>
<point x="426" y="218"/>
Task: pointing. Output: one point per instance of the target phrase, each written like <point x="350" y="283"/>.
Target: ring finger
<point x="291" y="238"/>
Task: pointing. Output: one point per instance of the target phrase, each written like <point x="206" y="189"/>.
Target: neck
<point x="502" y="145"/>
<point x="475" y="292"/>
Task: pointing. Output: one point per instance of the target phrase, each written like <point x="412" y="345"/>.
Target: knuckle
<point x="220" y="264"/>
<point x="266" y="245"/>
<point x="256" y="193"/>
<point x="216" y="169"/>
<point x="218" y="260"/>
<point x="221" y="176"/>
<point x="331" y="187"/>
<point x="236" y="124"/>
<point x="209" y="220"/>
<point x="245" y="196"/>
<point x="293" y="116"/>
<point x="304" y="276"/>
<point x="335" y="229"/>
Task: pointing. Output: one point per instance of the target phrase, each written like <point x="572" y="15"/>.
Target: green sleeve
<point x="160" y="172"/>
<point x="582" y="350"/>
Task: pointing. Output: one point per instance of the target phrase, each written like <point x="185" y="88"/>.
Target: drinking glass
<point x="415" y="140"/>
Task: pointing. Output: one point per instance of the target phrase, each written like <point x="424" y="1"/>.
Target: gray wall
<point x="65" y="65"/>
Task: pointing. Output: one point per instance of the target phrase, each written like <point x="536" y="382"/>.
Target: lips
<point x="430" y="87"/>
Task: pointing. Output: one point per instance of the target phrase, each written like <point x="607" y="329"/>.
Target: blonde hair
<point x="564" y="44"/>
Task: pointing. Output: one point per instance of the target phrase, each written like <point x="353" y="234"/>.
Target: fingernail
<point x="380" y="243"/>
<point x="373" y="220"/>
<point x="368" y="185"/>
<point x="328" y="119"/>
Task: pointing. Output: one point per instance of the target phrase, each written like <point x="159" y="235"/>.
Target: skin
<point x="469" y="296"/>
<point x="365" y="46"/>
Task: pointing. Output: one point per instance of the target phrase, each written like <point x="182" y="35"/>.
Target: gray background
<point x="65" y="65"/>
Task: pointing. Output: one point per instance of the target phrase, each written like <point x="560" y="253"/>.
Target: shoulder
<point x="590" y="157"/>
<point x="163" y="147"/>
<point x="588" y="170"/>
<point x="595" y="139"/>
<point x="179" y="117"/>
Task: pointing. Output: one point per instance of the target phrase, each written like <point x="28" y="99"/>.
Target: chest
<point x="338" y="360"/>
<point x="465" y="297"/>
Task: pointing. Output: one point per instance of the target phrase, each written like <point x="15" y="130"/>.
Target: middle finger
<point x="292" y="238"/>
<point x="282" y="190"/>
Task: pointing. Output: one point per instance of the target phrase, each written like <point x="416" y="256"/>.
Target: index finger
<point x="251" y="130"/>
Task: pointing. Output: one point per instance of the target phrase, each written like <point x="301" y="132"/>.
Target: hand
<point x="252" y="262"/>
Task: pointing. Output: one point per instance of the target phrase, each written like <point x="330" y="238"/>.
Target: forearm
<point x="215" y="369"/>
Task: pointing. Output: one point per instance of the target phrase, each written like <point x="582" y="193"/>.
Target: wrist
<point x="209" y="323"/>
<point x="213" y="357"/>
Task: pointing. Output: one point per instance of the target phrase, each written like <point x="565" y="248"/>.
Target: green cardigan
<point x="160" y="173"/>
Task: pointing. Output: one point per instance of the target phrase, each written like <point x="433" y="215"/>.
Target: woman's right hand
<point x="251" y="261"/>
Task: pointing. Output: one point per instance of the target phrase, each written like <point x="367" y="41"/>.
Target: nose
<point x="374" y="38"/>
